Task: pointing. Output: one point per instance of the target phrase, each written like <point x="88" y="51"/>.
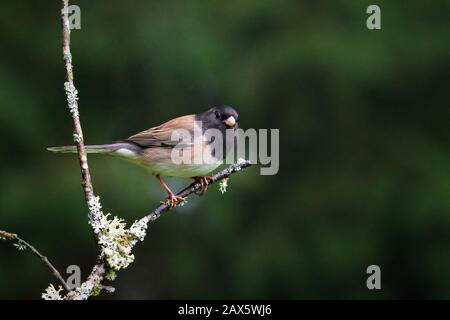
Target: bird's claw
<point x="204" y="182"/>
<point x="172" y="201"/>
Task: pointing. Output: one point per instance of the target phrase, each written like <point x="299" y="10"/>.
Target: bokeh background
<point x="364" y="127"/>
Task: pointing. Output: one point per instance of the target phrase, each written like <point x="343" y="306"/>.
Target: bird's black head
<point x="219" y="117"/>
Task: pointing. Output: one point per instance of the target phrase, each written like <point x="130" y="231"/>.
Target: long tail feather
<point x="63" y="149"/>
<point x="101" y="148"/>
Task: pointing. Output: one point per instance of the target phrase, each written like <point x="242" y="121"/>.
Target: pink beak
<point x="230" y="122"/>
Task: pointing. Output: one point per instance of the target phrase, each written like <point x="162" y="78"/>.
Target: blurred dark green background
<point x="364" y="125"/>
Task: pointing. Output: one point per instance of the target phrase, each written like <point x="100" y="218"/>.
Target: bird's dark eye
<point x="218" y="115"/>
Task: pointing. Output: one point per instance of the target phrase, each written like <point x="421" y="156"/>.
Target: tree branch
<point x="113" y="248"/>
<point x="99" y="270"/>
<point x="194" y="187"/>
<point x="72" y="100"/>
<point x="14" y="237"/>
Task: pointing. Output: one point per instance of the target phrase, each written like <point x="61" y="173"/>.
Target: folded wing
<point x="163" y="135"/>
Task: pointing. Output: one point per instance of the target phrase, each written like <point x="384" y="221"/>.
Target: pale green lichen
<point x="96" y="217"/>
<point x="4" y="235"/>
<point x="115" y="239"/>
<point x="116" y="242"/>
<point x="77" y="137"/>
<point x="115" y="229"/>
<point x="52" y="294"/>
<point x="223" y="184"/>
<point x="111" y="275"/>
<point x="139" y="229"/>
<point x="20" y="246"/>
<point x="72" y="98"/>
<point x="96" y="291"/>
<point x="239" y="162"/>
<point x="86" y="290"/>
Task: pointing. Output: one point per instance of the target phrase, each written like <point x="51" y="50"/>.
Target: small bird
<point x="153" y="148"/>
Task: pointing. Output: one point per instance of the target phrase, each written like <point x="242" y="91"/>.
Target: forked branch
<point x="113" y="248"/>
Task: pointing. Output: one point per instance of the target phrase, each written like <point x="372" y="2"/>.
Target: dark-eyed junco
<point x="158" y="149"/>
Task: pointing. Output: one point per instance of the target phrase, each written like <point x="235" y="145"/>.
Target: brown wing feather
<point x="160" y="136"/>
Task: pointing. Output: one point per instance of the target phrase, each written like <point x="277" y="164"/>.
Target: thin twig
<point x="14" y="237"/>
<point x="195" y="186"/>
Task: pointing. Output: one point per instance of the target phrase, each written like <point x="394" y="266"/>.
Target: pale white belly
<point x="162" y="164"/>
<point x="183" y="170"/>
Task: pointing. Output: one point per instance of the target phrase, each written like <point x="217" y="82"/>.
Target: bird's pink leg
<point x="173" y="200"/>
